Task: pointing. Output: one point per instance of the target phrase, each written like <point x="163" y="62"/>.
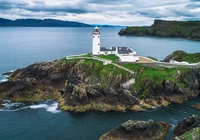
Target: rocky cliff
<point x="183" y="29"/>
<point x="86" y="84"/>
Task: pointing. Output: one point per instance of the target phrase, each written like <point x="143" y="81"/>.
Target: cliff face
<point x="183" y="29"/>
<point x="82" y="84"/>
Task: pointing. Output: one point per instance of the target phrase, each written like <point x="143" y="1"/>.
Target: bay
<point x="20" y="47"/>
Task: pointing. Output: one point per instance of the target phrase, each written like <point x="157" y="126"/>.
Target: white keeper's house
<point x="124" y="53"/>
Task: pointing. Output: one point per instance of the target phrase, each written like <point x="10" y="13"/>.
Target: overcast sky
<point x="115" y="12"/>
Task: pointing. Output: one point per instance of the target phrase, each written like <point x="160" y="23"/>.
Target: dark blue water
<point x="20" y="47"/>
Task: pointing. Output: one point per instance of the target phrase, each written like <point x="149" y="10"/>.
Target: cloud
<point x="127" y="12"/>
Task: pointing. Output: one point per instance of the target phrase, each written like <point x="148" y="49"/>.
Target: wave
<point x="4" y="78"/>
<point x="53" y="108"/>
<point x="49" y="106"/>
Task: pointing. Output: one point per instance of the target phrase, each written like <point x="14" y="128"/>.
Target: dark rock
<point x="138" y="130"/>
<point x="186" y="125"/>
<point x="7" y="73"/>
<point x="75" y="85"/>
<point x="174" y="56"/>
<point x="197" y="106"/>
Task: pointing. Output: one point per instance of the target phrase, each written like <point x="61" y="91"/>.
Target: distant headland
<point x="40" y="23"/>
<point x="48" y="23"/>
<point x="161" y="28"/>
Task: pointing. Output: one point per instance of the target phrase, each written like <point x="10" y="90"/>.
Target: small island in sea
<point x="161" y="28"/>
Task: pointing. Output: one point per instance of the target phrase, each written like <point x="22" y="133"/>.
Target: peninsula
<point x="161" y="28"/>
<point x="108" y="79"/>
<point x="82" y="83"/>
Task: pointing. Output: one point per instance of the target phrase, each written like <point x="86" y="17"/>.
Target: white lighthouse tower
<point x="96" y="41"/>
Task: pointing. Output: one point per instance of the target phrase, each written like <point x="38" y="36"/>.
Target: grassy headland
<point x="182" y="29"/>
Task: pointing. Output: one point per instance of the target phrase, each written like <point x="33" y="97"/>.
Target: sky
<point x="113" y="12"/>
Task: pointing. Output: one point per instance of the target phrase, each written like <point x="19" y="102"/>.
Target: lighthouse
<point x="96" y="41"/>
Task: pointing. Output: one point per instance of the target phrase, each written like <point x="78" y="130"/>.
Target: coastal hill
<point x="161" y="28"/>
<point x="40" y="23"/>
<point x="82" y="83"/>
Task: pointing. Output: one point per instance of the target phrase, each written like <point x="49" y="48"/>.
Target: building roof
<point x="105" y="49"/>
<point x="124" y="50"/>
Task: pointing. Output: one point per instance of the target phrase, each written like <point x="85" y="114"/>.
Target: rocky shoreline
<point x="187" y="129"/>
<point x="138" y="130"/>
<point x="81" y="85"/>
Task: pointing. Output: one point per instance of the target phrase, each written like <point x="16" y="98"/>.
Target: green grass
<point x="144" y="74"/>
<point x="109" y="57"/>
<point x="134" y="67"/>
<point x="85" y="55"/>
<point x="65" y="61"/>
<point x="191" y="58"/>
<point x="155" y="75"/>
<point x="187" y="135"/>
<point x="105" y="72"/>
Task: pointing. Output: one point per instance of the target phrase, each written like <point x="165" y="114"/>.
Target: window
<point x="98" y="44"/>
<point x="98" y="36"/>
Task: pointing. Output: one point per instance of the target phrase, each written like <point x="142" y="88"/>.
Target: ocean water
<point x="20" y="47"/>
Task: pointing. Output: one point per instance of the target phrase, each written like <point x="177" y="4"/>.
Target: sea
<point x="22" y="46"/>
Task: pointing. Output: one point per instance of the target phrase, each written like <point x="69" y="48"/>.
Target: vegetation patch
<point x="106" y="72"/>
<point x="155" y="75"/>
<point x="183" y="29"/>
<point x="190" y="58"/>
<point x="109" y="57"/>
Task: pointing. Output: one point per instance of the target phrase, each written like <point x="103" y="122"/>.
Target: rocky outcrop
<point x="175" y="56"/>
<point x="138" y="130"/>
<point x="181" y="29"/>
<point x="73" y="85"/>
<point x="197" y="106"/>
<point x="189" y="128"/>
<point x="183" y="56"/>
<point x="82" y="85"/>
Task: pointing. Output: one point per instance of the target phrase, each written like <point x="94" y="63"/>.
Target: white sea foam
<point x="38" y="106"/>
<point x="49" y="106"/>
<point x="4" y="78"/>
<point x="174" y="122"/>
<point x="53" y="108"/>
<point x="12" y="106"/>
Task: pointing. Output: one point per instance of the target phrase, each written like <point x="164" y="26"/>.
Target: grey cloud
<point x="41" y="7"/>
<point x="57" y="9"/>
<point x="151" y="14"/>
<point x="113" y="2"/>
<point x="6" y="5"/>
<point x="193" y="5"/>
